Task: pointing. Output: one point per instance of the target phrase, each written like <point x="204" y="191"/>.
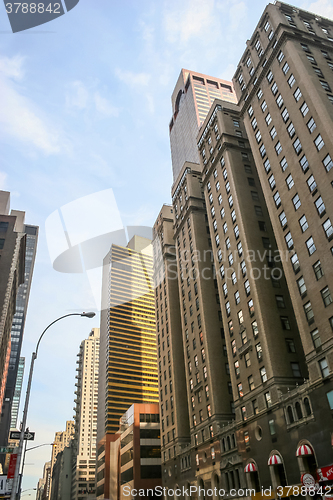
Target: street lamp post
<point x="26" y="404"/>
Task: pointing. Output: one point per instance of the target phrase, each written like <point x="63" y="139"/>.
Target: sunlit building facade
<point x="128" y="366"/>
<point x="191" y="100"/>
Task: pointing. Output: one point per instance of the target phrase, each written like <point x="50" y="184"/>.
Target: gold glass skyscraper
<point x="128" y="338"/>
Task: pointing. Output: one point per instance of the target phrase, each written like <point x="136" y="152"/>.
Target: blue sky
<point x="85" y="106"/>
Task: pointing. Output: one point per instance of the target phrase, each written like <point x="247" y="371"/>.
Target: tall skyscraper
<point x="12" y="252"/>
<point x="17" y="394"/>
<point x="261" y="199"/>
<point x="191" y="100"/>
<point x="128" y="370"/>
<point x="83" y="480"/>
<point x="288" y="114"/>
<point x="15" y="373"/>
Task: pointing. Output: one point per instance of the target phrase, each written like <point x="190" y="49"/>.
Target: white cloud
<point x="20" y="118"/>
<point x="12" y="68"/>
<point x="77" y="95"/>
<point x="322" y="7"/>
<point x="184" y="22"/>
<point x="133" y="79"/>
<point x="104" y="106"/>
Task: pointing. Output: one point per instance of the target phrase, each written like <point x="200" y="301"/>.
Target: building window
<point x="268" y="119"/>
<point x="304" y="109"/>
<point x="290" y="345"/>
<point x="280" y="301"/>
<point x="274" y="88"/>
<point x="285" y="115"/>
<point x="304" y="163"/>
<point x="310" y="246"/>
<point x="240" y="390"/>
<point x="278" y="148"/>
<point x="240" y="317"/>
<point x="258" y="211"/>
<point x="289" y="181"/>
<point x="291" y="80"/>
<point x="277" y="199"/>
<point x="227" y="243"/>
<point x="237" y="297"/>
<point x="320" y="206"/>
<point x="247" y="359"/>
<point x="297" y="146"/>
<point x="272" y="182"/>
<point x="301" y="286"/>
<point x="319" y="143"/>
<point x="325" y="86"/>
<point x="227" y="308"/>
<point x="318" y="270"/>
<point x="255" y="407"/>
<point x="263" y="374"/>
<point x="316" y="338"/>
<point x="297" y="94"/>
<point x="328" y="163"/>
<point x="291" y="129"/>
<point x="311" y="125"/>
<point x="237" y="369"/>
<point x="273" y="133"/>
<point x="311" y="183"/>
<point x="295" y="368"/>
<point x="251" y="382"/>
<point x="283" y="219"/>
<point x="267" y="165"/>
<point x="289" y="241"/>
<point x="285" y="322"/>
<point x="308" y="312"/>
<point x="262" y="151"/>
<point x="327" y="226"/>
<point x="326" y="296"/>
<point x="268" y="399"/>
<point x="303" y="223"/>
<point x="324" y="368"/>
<point x="263" y="106"/>
<point x="296" y="202"/>
<point x="255" y="329"/>
<point x="285" y="68"/>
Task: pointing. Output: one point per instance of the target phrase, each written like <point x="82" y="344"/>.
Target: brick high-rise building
<point x="84" y="449"/>
<point x="261" y="198"/>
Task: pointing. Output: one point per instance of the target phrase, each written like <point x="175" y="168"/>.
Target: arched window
<point x="298" y="411"/>
<point x="233" y="440"/>
<point x="223" y="445"/>
<point x="290" y="415"/>
<point x="228" y="441"/>
<point x="307" y="406"/>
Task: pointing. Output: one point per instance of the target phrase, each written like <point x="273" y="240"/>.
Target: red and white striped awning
<point x="274" y="460"/>
<point x="250" y="467"/>
<point x="304" y="450"/>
